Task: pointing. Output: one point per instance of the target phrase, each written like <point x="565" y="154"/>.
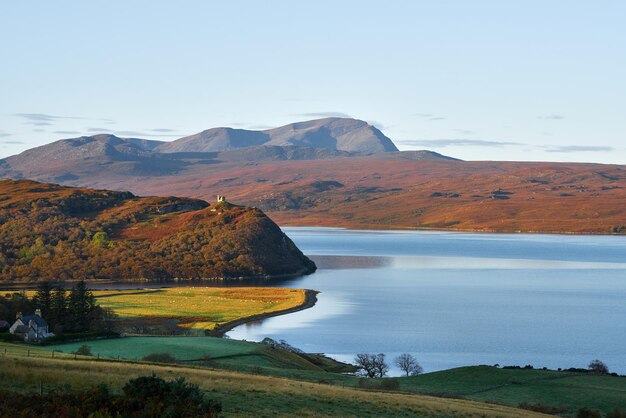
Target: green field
<point x="216" y="352"/>
<point x="241" y="394"/>
<point x="515" y="386"/>
<point x="566" y="390"/>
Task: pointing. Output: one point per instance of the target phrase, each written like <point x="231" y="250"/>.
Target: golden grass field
<point x="241" y="394"/>
<point x="200" y="308"/>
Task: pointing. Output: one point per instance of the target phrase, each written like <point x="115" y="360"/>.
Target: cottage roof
<point x="36" y="318"/>
<point x="21" y="329"/>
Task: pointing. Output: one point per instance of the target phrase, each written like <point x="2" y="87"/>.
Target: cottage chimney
<point x="38" y="312"/>
<point x="18" y="316"/>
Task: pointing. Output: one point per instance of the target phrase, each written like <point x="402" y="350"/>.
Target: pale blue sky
<point x="503" y="80"/>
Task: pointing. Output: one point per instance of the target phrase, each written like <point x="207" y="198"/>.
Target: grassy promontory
<point x="50" y="232"/>
<point x="215" y="310"/>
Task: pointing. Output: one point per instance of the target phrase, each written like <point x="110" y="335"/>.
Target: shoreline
<point x="310" y="299"/>
<point x="246" y="281"/>
<point x="369" y="227"/>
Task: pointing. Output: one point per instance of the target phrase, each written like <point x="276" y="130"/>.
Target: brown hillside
<point x="51" y="232"/>
<point x="377" y="192"/>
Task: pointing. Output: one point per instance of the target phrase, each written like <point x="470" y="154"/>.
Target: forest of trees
<point x="66" y="311"/>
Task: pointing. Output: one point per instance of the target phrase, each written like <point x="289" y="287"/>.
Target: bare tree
<point x="371" y="365"/>
<point x="408" y="364"/>
<point x="598" y="367"/>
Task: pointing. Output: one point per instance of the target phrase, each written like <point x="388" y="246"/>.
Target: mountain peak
<point x="341" y="134"/>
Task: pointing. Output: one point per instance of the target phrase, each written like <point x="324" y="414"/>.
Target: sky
<point x="478" y="80"/>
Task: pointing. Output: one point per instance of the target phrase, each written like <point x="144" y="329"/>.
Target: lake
<point x="457" y="299"/>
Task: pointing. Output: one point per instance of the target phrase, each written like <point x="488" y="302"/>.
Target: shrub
<point x="616" y="413"/>
<point x="83" y="350"/>
<point x="587" y="413"/>
<point x="148" y="396"/>
<point x="160" y="358"/>
<point x="149" y="393"/>
<point x="544" y="408"/>
<point x="380" y="384"/>
<point x="390" y="384"/>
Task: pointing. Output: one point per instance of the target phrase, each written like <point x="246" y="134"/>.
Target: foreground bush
<point x="143" y="397"/>
<point x="160" y="358"/>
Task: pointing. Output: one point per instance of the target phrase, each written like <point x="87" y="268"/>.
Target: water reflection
<point x="460" y="299"/>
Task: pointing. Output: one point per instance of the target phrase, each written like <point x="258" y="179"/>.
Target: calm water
<point x="455" y="299"/>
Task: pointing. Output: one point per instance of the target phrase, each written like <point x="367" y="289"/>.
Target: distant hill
<point x="50" y="232"/>
<point x="341" y="134"/>
<point x="309" y="174"/>
<point x="69" y="161"/>
<point x="77" y="161"/>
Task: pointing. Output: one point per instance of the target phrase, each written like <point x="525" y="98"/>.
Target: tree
<point x="58" y="309"/>
<point x="104" y="320"/>
<point x="598" y="367"/>
<point x="371" y="365"/>
<point x="101" y="240"/>
<point x="43" y="298"/>
<point x="408" y="364"/>
<point x="81" y="306"/>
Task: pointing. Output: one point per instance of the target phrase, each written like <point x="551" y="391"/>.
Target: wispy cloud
<point x="442" y="143"/>
<point x="162" y="130"/>
<point x="324" y="115"/>
<point x="429" y="116"/>
<point x="551" y="117"/>
<point x="12" y="142"/>
<point x="67" y="132"/>
<point x="44" y="119"/>
<point x="41" y="119"/>
<point x="4" y="134"/>
<point x="136" y="134"/>
<point x="581" y="148"/>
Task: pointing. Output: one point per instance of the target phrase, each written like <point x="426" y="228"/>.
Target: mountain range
<point x="71" y="159"/>
<point x="341" y="172"/>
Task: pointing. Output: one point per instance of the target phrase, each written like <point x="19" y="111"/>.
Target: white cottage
<point x="30" y="327"/>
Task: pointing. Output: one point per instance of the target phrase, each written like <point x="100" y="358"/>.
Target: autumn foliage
<point x="50" y="232"/>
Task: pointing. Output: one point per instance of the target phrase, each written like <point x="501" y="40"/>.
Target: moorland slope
<point x="341" y="172"/>
<point x="51" y="232"/>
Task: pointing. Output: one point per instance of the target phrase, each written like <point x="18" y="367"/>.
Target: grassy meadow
<point x="237" y="373"/>
<point x="197" y="308"/>
<point x="241" y="394"/>
<point x="200" y="307"/>
<point x="565" y="390"/>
